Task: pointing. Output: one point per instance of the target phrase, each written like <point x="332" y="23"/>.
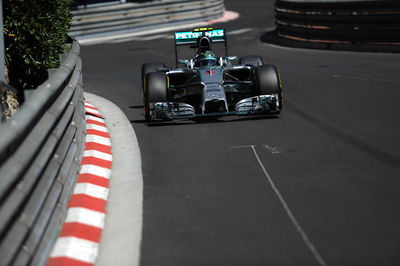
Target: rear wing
<point x="190" y="37"/>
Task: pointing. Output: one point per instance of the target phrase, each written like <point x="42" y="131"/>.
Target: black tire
<point x="268" y="81"/>
<point x="149" y="68"/>
<point x="254" y="60"/>
<point x="155" y="90"/>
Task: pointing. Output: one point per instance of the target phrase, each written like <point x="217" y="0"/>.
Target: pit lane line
<point x="286" y="207"/>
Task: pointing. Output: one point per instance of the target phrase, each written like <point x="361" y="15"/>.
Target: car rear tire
<point x="268" y="81"/>
<point x="155" y="90"/>
<point x="253" y="60"/>
<point x="149" y="68"/>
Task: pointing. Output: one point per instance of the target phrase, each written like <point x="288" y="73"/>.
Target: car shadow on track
<point x="204" y="121"/>
<point x="139" y="106"/>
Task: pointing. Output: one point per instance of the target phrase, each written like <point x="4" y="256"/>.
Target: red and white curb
<point x="79" y="239"/>
<point x="227" y="16"/>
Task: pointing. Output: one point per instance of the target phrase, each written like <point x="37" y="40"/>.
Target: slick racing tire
<point x="149" y="68"/>
<point x="268" y="81"/>
<point x="155" y="90"/>
<point x="253" y="60"/>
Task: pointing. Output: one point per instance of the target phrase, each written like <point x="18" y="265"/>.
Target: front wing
<point x="257" y="105"/>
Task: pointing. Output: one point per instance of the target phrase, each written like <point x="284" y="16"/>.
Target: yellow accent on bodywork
<point x="280" y="84"/>
<point x="201" y="29"/>
<point x="280" y="80"/>
<point x="167" y="81"/>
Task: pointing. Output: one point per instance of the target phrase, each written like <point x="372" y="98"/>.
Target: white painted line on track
<point x="386" y="80"/>
<point x="142" y="38"/>
<point x="285" y="206"/>
<point x="239" y="31"/>
<point x="296" y="224"/>
<point x="239" y="147"/>
<point x="267" y="29"/>
<point x="153" y="37"/>
<point x="364" y="78"/>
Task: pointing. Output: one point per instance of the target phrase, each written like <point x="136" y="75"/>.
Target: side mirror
<point x="183" y="62"/>
<point x="163" y="69"/>
<point x="231" y="58"/>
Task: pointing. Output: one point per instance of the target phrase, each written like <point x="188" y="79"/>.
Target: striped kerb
<point x="78" y="242"/>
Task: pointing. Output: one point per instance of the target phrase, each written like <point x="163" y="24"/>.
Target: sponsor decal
<point x="213" y="92"/>
<point x="214" y="95"/>
<point x="215" y="33"/>
<point x="194" y="35"/>
<point x="211" y="72"/>
<point x="187" y="35"/>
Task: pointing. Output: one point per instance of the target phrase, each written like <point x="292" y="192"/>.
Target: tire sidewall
<point x="155" y="90"/>
<point x="268" y="81"/>
<point x="149" y="68"/>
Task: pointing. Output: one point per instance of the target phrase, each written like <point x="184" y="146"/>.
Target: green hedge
<point x="35" y="35"/>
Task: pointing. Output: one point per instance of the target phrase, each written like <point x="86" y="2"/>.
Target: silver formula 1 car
<point x="208" y="85"/>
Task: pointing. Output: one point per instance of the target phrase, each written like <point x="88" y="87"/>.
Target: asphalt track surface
<point x="318" y="185"/>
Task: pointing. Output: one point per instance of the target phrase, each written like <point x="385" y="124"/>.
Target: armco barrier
<point x="40" y="152"/>
<point x="339" y="22"/>
<point x="133" y="17"/>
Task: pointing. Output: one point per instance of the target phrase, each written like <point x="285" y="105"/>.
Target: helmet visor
<point x="208" y="62"/>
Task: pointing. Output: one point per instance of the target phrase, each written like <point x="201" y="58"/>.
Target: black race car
<point x="208" y="85"/>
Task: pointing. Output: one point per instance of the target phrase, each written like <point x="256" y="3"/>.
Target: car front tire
<point x="268" y="81"/>
<point x="155" y="90"/>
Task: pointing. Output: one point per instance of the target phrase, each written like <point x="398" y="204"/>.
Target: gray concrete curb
<point x="121" y="238"/>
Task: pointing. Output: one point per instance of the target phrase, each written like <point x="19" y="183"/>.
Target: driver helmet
<point x="207" y="59"/>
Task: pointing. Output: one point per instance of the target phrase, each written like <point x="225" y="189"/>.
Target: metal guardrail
<point x="96" y="2"/>
<point x="40" y="152"/>
<point x="346" y="22"/>
<point x="131" y="17"/>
